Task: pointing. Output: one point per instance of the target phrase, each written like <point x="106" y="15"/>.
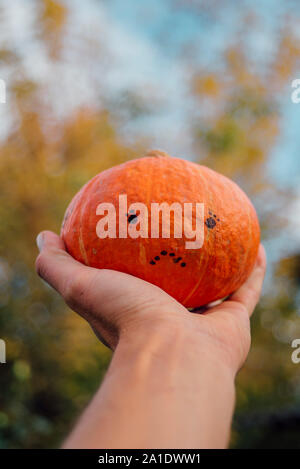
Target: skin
<point x="170" y="383"/>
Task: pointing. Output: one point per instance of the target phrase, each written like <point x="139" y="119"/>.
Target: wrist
<point x="176" y="334"/>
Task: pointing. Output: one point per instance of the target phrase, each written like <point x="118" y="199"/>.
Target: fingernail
<point x="40" y="241"/>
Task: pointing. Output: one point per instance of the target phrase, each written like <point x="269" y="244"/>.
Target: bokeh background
<point x="91" y="84"/>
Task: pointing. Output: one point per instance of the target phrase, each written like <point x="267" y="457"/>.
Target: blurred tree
<point x="237" y="137"/>
<point x="54" y="362"/>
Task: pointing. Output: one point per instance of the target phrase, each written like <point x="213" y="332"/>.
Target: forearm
<point x="162" y="390"/>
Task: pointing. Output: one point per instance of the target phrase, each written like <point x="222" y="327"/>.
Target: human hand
<point x="118" y="305"/>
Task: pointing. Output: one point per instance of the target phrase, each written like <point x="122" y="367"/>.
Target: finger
<point x="87" y="289"/>
<point x="248" y="294"/>
<point x="83" y="288"/>
<point x="49" y="239"/>
<point x="54" y="264"/>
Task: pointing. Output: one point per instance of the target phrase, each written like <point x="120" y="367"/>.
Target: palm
<point x="112" y="300"/>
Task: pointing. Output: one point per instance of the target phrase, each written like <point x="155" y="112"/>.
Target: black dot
<point x="215" y="216"/>
<point x="164" y="253"/>
<point x="157" y="258"/>
<point x="152" y="262"/>
<point x="218" y="219"/>
<point x="177" y="260"/>
<point x="131" y="218"/>
<point x="183" y="264"/>
<point x="172" y="254"/>
<point x="210" y="222"/>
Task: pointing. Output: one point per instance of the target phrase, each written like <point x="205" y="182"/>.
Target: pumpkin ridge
<point x="81" y="241"/>
<point x="197" y="284"/>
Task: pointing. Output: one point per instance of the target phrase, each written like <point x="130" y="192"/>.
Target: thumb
<point x="76" y="284"/>
<point x="54" y="264"/>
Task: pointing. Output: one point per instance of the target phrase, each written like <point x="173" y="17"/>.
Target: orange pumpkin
<point x="193" y="276"/>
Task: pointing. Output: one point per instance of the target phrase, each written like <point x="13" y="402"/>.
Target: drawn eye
<point x="132" y="217"/>
<point x="211" y="221"/>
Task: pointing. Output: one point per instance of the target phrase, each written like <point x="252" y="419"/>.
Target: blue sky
<point x="166" y="31"/>
<point x="155" y="35"/>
